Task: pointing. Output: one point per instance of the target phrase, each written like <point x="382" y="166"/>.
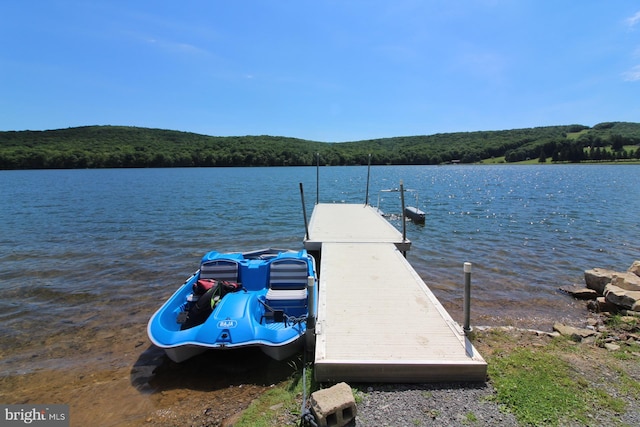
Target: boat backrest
<point x="220" y="269"/>
<point x="288" y="273"/>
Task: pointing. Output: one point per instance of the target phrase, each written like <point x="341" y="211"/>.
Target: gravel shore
<point x="445" y="405"/>
<point x="429" y="405"/>
<point x="605" y="375"/>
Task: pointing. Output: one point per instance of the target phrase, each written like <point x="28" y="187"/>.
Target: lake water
<point x="86" y="256"/>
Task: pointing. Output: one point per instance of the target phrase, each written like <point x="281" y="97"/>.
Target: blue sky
<point x="328" y="71"/>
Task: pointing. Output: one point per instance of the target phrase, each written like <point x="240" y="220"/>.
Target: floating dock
<point x="350" y="223"/>
<point x="377" y="319"/>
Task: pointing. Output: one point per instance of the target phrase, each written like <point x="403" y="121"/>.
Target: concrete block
<point x="334" y="406"/>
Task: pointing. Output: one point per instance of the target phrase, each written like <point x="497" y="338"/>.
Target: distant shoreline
<point x="523" y="163"/>
<point x="98" y="147"/>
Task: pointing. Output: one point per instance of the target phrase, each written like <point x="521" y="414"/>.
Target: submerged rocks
<point x="580" y="292"/>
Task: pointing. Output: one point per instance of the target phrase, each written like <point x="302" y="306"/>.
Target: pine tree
<point x="543" y="157"/>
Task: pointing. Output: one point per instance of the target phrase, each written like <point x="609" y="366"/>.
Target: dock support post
<point x="311" y="318"/>
<point x="304" y="212"/>
<point x="467" y="297"/>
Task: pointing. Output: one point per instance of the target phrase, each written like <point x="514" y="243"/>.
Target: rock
<point x="635" y="337"/>
<point x="601" y="305"/>
<point x="635" y="268"/>
<point x="611" y="347"/>
<point x="598" y="278"/>
<point x="592" y="322"/>
<point x="622" y="297"/>
<point x="628" y="281"/>
<point x="576" y="334"/>
<point x="579" y="292"/>
<point x="276" y="406"/>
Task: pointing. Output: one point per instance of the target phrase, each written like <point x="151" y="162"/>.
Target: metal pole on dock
<point x="366" y="200"/>
<point x="467" y="297"/>
<point x="404" y="223"/>
<point x="311" y="318"/>
<point x="317" y="178"/>
<point x="304" y="212"/>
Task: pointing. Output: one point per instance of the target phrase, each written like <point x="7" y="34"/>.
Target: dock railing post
<point x="404" y="223"/>
<point x="317" y="178"/>
<point x="304" y="212"/>
<point x="366" y="200"/>
<point x="467" y="297"/>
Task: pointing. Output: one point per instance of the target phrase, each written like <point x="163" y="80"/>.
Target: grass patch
<point x="547" y="381"/>
<point x="627" y="352"/>
<point x="470" y="418"/>
<point x="267" y="410"/>
<point x="493" y="161"/>
<point x="537" y="387"/>
<point x="281" y="405"/>
<point x="626" y="383"/>
<point x="576" y="135"/>
<point x="619" y="322"/>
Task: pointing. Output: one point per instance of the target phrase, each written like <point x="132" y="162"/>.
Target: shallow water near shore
<point x="87" y="256"/>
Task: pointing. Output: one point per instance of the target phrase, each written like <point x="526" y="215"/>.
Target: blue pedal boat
<point x="265" y="299"/>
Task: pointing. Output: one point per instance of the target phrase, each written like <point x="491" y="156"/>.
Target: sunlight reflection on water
<point x="121" y="241"/>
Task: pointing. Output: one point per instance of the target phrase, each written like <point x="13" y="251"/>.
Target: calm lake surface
<point x="86" y="255"/>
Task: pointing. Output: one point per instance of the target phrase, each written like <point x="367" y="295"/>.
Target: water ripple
<point x="116" y="243"/>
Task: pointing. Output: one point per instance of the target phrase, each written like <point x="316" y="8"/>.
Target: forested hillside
<point x="119" y="146"/>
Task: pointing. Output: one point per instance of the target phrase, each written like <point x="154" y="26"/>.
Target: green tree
<point x="617" y="142"/>
<point x="543" y="157"/>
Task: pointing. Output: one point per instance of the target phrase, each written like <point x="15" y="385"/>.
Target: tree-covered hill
<point x="120" y="146"/>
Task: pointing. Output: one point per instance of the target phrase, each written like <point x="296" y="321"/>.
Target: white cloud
<point x="632" y="75"/>
<point x="632" y="21"/>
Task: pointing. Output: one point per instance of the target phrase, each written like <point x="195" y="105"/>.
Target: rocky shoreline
<point x="608" y="293"/>
<point x="611" y="290"/>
